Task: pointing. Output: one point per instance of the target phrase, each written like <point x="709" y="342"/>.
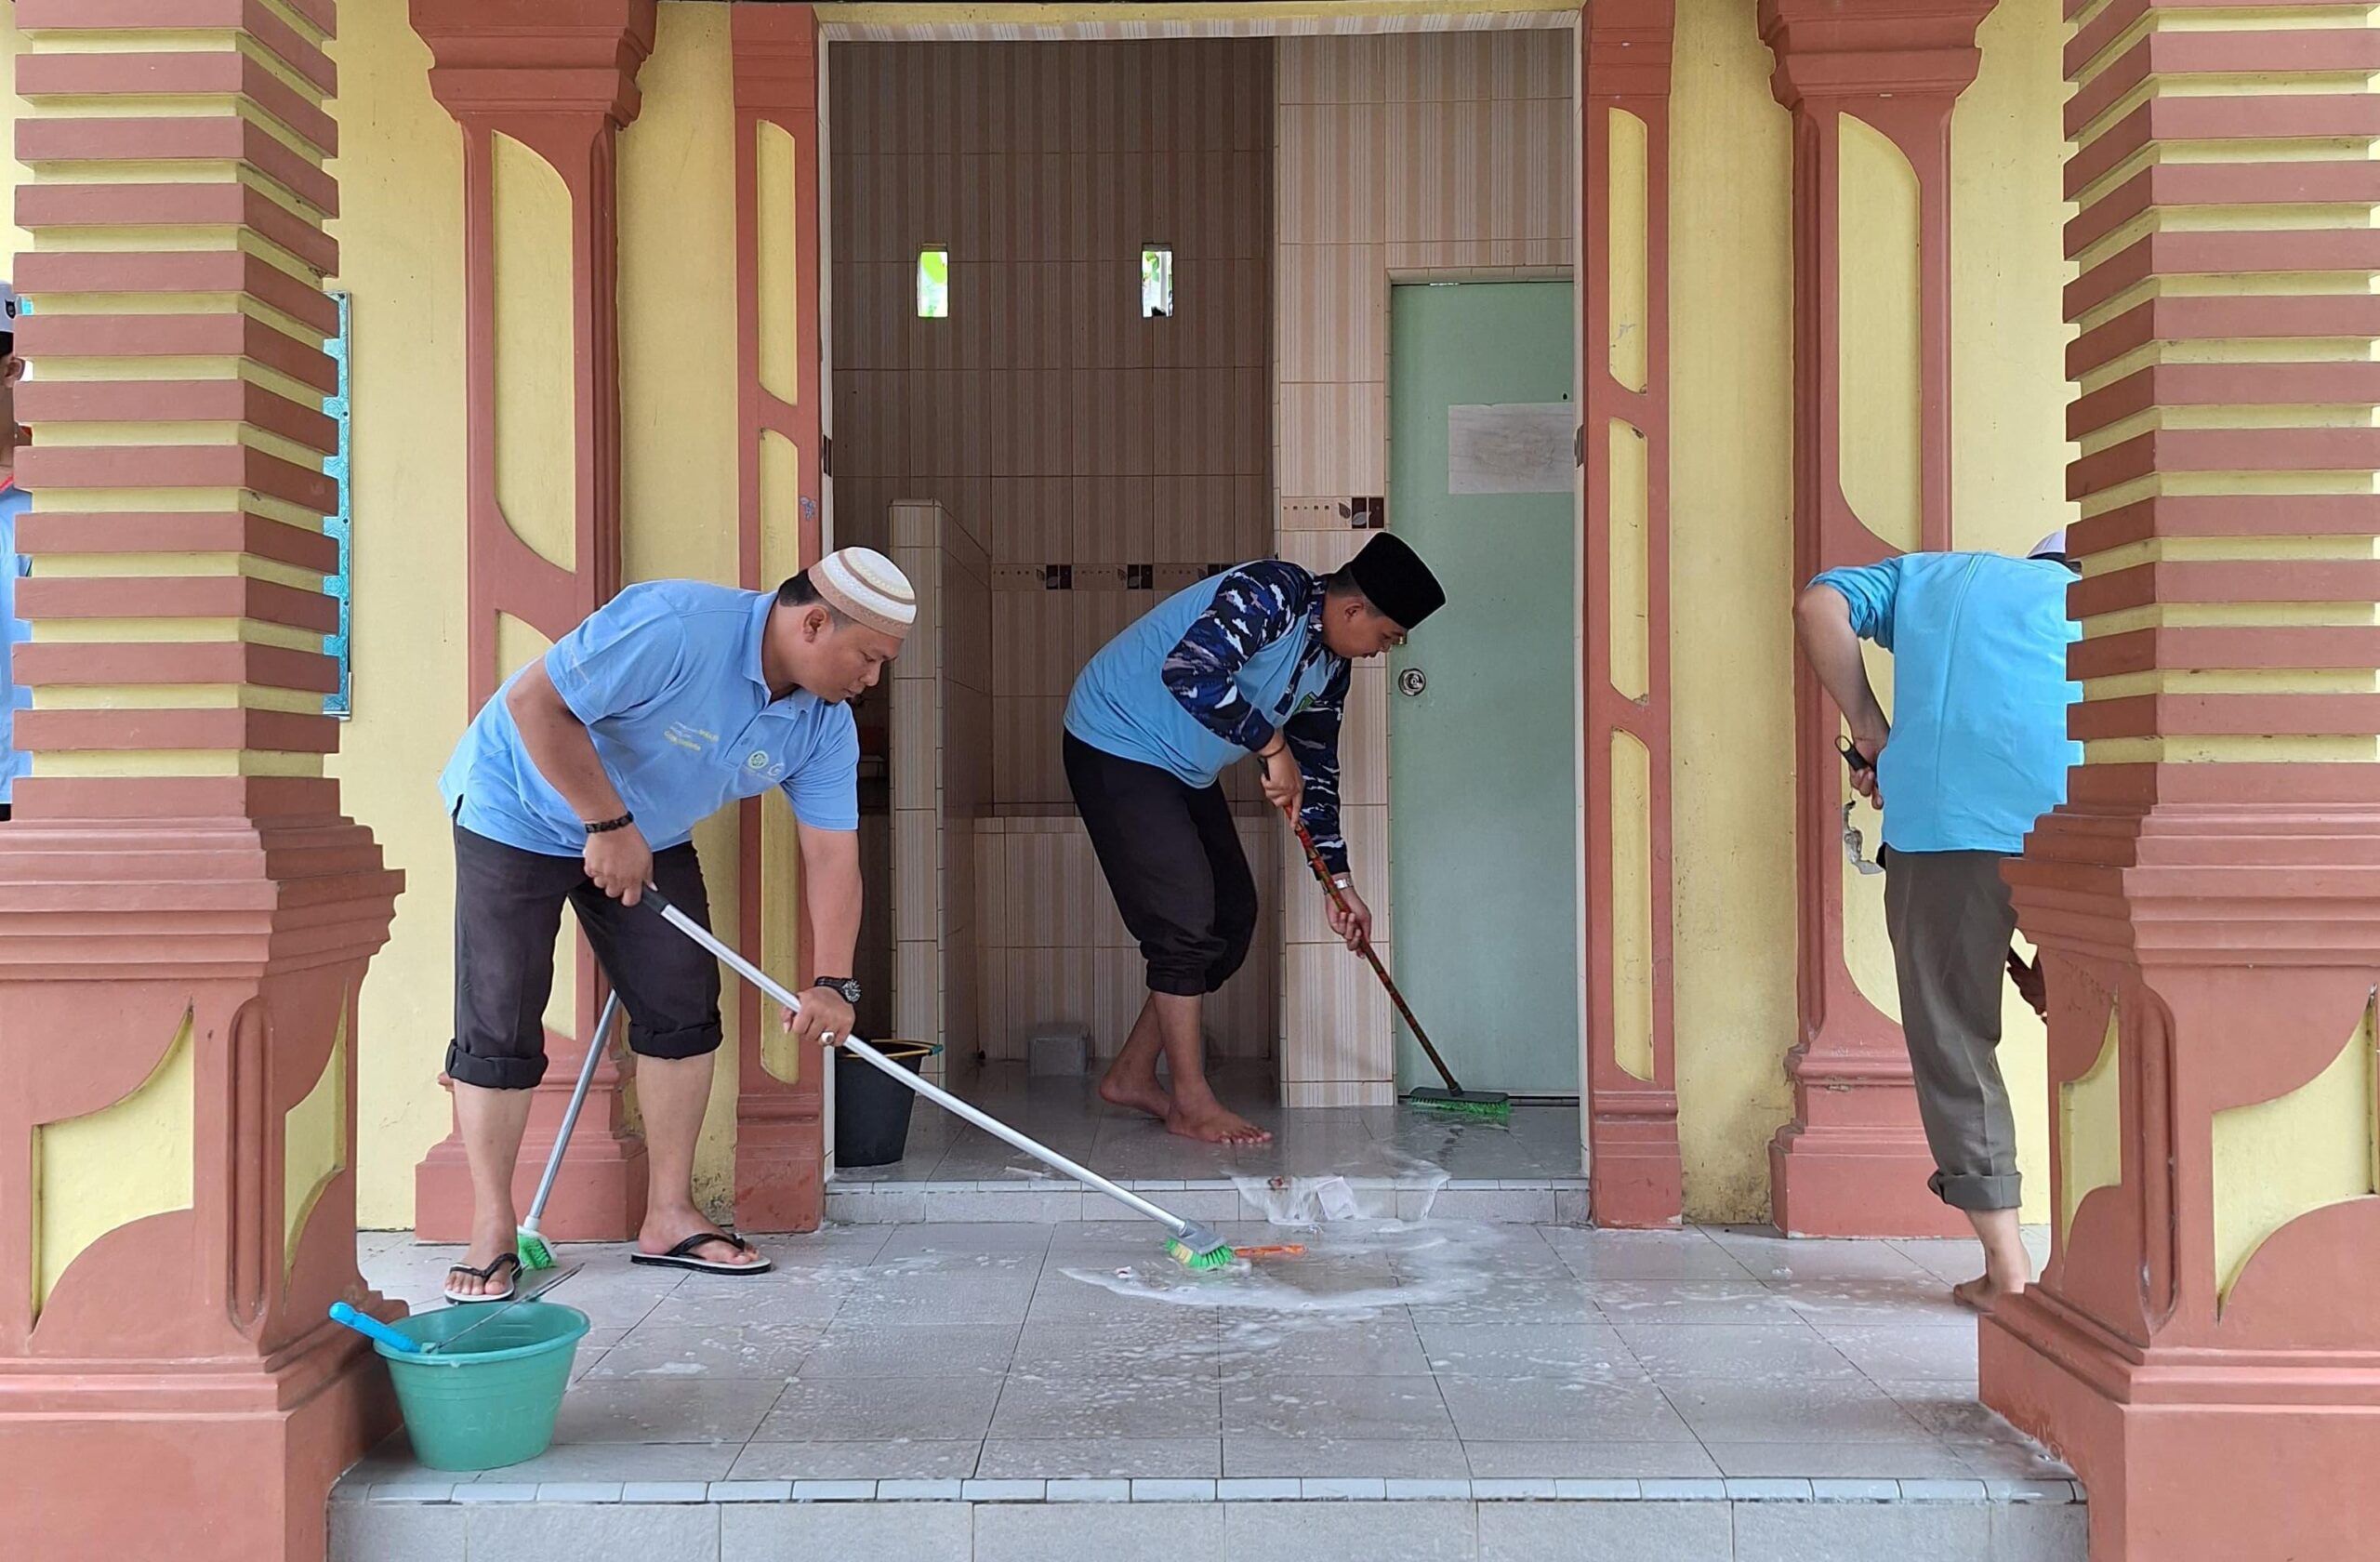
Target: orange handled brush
<point x="1454" y="1098"/>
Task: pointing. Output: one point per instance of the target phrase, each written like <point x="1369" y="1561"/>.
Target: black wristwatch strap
<point x="604" y="827"/>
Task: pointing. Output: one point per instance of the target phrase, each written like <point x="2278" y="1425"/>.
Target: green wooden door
<point x="1483" y="734"/>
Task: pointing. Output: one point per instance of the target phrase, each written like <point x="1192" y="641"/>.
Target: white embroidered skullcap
<point x="867" y="588"/>
<point x="2050" y="547"/>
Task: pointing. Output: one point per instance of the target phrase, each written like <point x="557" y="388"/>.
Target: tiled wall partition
<point x="941" y="781"/>
<point x="1076" y="438"/>
<point x="1100" y="458"/>
<point x="1401" y="156"/>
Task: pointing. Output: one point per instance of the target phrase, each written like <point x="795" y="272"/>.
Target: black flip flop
<point x="682" y="1256"/>
<point x="488" y="1273"/>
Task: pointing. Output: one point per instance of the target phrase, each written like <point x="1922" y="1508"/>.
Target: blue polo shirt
<point x="667" y="676"/>
<point x="13" y="631"/>
<point x="1979" y="748"/>
<point x="1205" y="678"/>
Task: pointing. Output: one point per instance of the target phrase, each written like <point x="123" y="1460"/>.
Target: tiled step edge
<point x="1534" y="1201"/>
<point x="1246" y="1490"/>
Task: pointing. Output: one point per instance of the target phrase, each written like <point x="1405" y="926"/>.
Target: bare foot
<point x="1981" y="1294"/>
<point x="1216" y="1126"/>
<point x="1141" y="1095"/>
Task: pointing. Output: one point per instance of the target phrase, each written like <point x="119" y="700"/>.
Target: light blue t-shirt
<point x="13" y="631"/>
<point x="1206" y="677"/>
<point x="667" y="676"/>
<point x="1979" y="748"/>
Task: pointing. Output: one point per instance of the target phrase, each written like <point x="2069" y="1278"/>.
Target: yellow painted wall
<point x="401" y="245"/>
<point x="1730" y="507"/>
<point x="678" y="397"/>
<point x="1731" y="563"/>
<point x="401" y="250"/>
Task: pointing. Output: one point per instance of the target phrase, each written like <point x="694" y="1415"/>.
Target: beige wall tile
<point x="962" y="1003"/>
<point x="917" y="992"/>
<point x="1325" y="431"/>
<point x="1340" y="1092"/>
<point x="1322" y="551"/>
<point x="959" y="889"/>
<point x="991" y="998"/>
<point x="1330" y="327"/>
<point x="1120" y="988"/>
<point x="916" y="742"/>
<point x="993" y="930"/>
<point x="967" y="753"/>
<point x="1302" y="903"/>
<point x="1363" y="736"/>
<point x="917" y="874"/>
<point x="1335" y="1018"/>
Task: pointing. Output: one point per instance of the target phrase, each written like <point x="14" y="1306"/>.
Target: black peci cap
<point x="1396" y="581"/>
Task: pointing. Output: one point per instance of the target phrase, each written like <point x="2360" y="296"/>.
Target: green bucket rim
<point x="511" y="1353"/>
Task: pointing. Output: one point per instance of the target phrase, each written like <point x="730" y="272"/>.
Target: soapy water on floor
<point x="1361" y="1256"/>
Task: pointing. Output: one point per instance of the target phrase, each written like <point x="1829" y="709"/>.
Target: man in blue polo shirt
<point x="1977" y="752"/>
<point x="1251" y="662"/>
<point x="582" y="780"/>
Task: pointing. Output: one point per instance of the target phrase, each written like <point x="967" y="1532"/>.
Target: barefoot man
<point x="1251" y="662"/>
<point x="1979" y="754"/>
<point x="582" y="780"/>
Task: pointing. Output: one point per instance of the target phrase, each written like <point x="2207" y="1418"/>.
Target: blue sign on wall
<point x="340" y="527"/>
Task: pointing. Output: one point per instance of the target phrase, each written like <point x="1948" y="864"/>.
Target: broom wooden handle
<point x="1330" y="887"/>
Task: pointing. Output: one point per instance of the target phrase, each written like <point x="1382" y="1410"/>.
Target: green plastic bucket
<point x="493" y="1399"/>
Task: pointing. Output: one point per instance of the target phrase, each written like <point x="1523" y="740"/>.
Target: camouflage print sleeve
<point x="1313" y="741"/>
<point x="1255" y="606"/>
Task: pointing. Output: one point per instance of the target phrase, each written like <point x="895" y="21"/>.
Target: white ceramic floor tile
<point x="1442" y="1351"/>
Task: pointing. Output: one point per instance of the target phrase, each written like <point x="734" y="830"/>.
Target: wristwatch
<point x="845" y="988"/>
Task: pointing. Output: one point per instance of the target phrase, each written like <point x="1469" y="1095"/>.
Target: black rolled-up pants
<point x="508" y="913"/>
<point x="1173" y="858"/>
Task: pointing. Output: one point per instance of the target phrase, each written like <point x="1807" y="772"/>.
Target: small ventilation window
<point x="933" y="284"/>
<point x="1156" y="282"/>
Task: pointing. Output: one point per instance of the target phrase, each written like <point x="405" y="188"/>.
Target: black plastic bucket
<point x="871" y="1107"/>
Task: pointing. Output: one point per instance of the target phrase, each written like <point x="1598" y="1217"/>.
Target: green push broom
<point x="529" y="1243"/>
<point x="1493" y="1106"/>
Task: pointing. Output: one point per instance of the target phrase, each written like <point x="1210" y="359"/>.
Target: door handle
<point x="1411" y="681"/>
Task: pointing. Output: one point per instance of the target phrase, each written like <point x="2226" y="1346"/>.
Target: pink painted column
<point x="780" y="1149"/>
<point x="1631" y="1077"/>
<point x="186" y="915"/>
<point x="560" y="79"/>
<point x="2203" y="1346"/>
<point x="1852" y="1160"/>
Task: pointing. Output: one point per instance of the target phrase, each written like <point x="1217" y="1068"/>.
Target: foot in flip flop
<point x="492" y="1281"/>
<point x="708" y="1250"/>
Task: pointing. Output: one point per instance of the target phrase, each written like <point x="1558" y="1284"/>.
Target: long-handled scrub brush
<point x="1492" y="1106"/>
<point x="1192" y="1246"/>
